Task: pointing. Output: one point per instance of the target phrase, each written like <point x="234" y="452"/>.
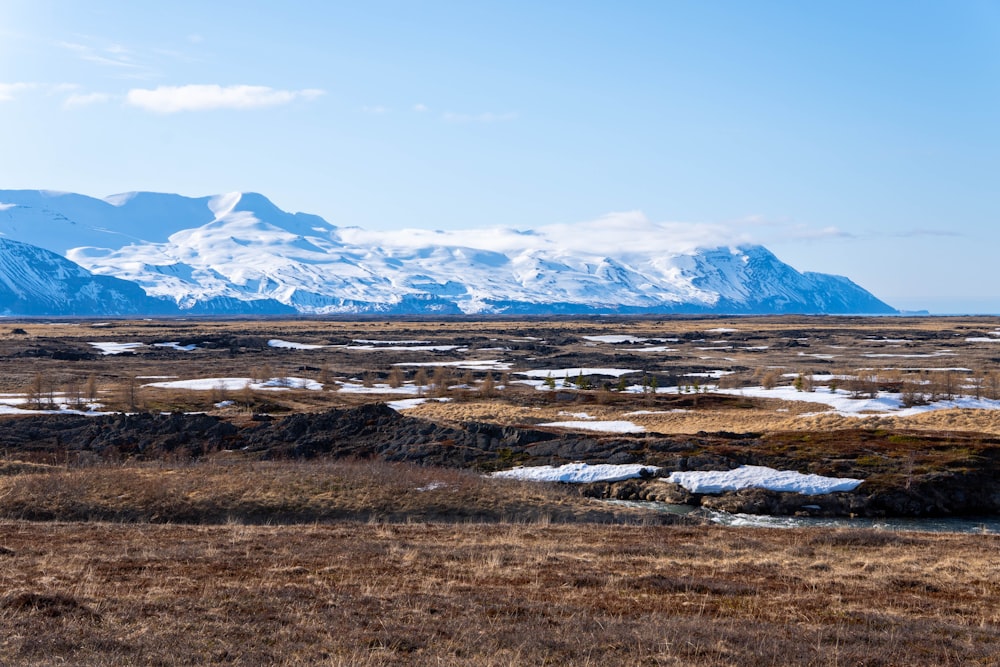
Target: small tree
<point x="441" y="381"/>
<point x="487" y="388"/>
<point x="36" y="391"/>
<point x="550" y="382"/>
<point x="420" y="380"/>
<point x="90" y="388"/>
<point x="396" y="378"/>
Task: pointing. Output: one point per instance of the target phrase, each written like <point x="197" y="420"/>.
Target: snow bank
<point x="761" y="477"/>
<point x="841" y="401"/>
<point x="576" y="473"/>
<point x="289" y="345"/>
<point x="236" y="384"/>
<point x="614" y="339"/>
<point x="576" y="372"/>
<point x="601" y="426"/>
<point x="177" y="346"/>
<point x="116" y="348"/>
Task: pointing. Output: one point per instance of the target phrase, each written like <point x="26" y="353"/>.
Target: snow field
<point x="761" y="477"/>
<point x="577" y="473"/>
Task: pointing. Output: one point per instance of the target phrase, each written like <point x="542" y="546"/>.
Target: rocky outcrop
<point x="969" y="485"/>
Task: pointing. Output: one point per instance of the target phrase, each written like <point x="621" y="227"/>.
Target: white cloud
<point x="615" y="233"/>
<point x="377" y="110"/>
<point x="78" y="100"/>
<point x="485" y="117"/>
<point x="421" y="108"/>
<point x="173" y="99"/>
<point x="9" y="91"/>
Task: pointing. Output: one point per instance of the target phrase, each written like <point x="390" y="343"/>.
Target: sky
<point x="852" y="137"/>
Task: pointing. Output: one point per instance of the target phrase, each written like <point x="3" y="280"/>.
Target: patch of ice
<point x="406" y="348"/>
<point x="289" y="345"/>
<point x="577" y="473"/>
<point x="236" y="384"/>
<point x="406" y="403"/>
<point x="576" y="372"/>
<point x="721" y="330"/>
<point x="433" y="486"/>
<point x="615" y="339"/>
<point x="225" y="404"/>
<point x="761" y="477"/>
<point x="470" y="364"/>
<point x="116" y="348"/>
<point x="600" y="426"/>
<point x="656" y="348"/>
<point x="177" y="346"/>
<point x="941" y="353"/>
<point x="715" y="374"/>
<point x="576" y="415"/>
<point x="370" y="341"/>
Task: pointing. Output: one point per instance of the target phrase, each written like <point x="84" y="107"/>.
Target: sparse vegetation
<point x="229" y="560"/>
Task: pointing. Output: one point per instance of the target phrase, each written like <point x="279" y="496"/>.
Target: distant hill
<point x="239" y="253"/>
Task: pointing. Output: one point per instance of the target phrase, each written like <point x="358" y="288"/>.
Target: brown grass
<point x="290" y="492"/>
<point x="514" y="594"/>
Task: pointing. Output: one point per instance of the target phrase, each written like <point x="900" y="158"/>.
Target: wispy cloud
<point x="485" y="117"/>
<point x="78" y="100"/>
<point x="10" y="91"/>
<point x="421" y="108"/>
<point x="377" y="110"/>
<point x="112" y="55"/>
<point x="174" y="99"/>
<point x="921" y="233"/>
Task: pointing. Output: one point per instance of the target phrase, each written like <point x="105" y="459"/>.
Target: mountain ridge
<point x="238" y="252"/>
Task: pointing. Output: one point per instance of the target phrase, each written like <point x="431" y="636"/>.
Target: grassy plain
<point x="227" y="561"/>
<point x="493" y="594"/>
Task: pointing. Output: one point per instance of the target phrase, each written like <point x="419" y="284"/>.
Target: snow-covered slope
<point x="35" y="281"/>
<point x="239" y="252"/>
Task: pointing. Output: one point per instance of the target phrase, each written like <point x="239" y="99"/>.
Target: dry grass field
<point x="227" y="560"/>
<point x="498" y="594"/>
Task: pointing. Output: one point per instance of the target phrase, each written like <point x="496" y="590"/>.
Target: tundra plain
<point x="233" y="556"/>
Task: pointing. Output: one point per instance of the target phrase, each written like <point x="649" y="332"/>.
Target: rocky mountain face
<point x="239" y="253"/>
<point x="35" y="281"/>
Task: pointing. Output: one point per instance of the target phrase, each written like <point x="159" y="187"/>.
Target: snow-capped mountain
<point x="35" y="281"/>
<point x="240" y="253"/>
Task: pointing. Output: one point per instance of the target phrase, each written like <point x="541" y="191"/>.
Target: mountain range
<point x="158" y="254"/>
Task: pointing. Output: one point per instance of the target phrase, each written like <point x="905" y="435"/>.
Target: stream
<point x="985" y="525"/>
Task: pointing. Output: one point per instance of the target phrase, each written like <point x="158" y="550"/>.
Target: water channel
<point x="985" y="525"/>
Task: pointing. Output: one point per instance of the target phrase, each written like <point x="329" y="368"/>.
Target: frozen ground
<point x="842" y="403"/>
<point x="600" y="426"/>
<point x="761" y="477"/>
<point x="116" y="348"/>
<point x="577" y="473"/>
<point x="557" y="373"/>
<point x="238" y="383"/>
<point x="289" y="345"/>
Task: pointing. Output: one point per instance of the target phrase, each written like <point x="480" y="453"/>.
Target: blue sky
<point x="859" y="138"/>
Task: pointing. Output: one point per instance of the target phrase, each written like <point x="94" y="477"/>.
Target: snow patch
<point x="577" y="473"/>
<point x="600" y="426"/>
<point x="762" y="477"/>
<point x="289" y="345"/>
<point x="116" y="348"/>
